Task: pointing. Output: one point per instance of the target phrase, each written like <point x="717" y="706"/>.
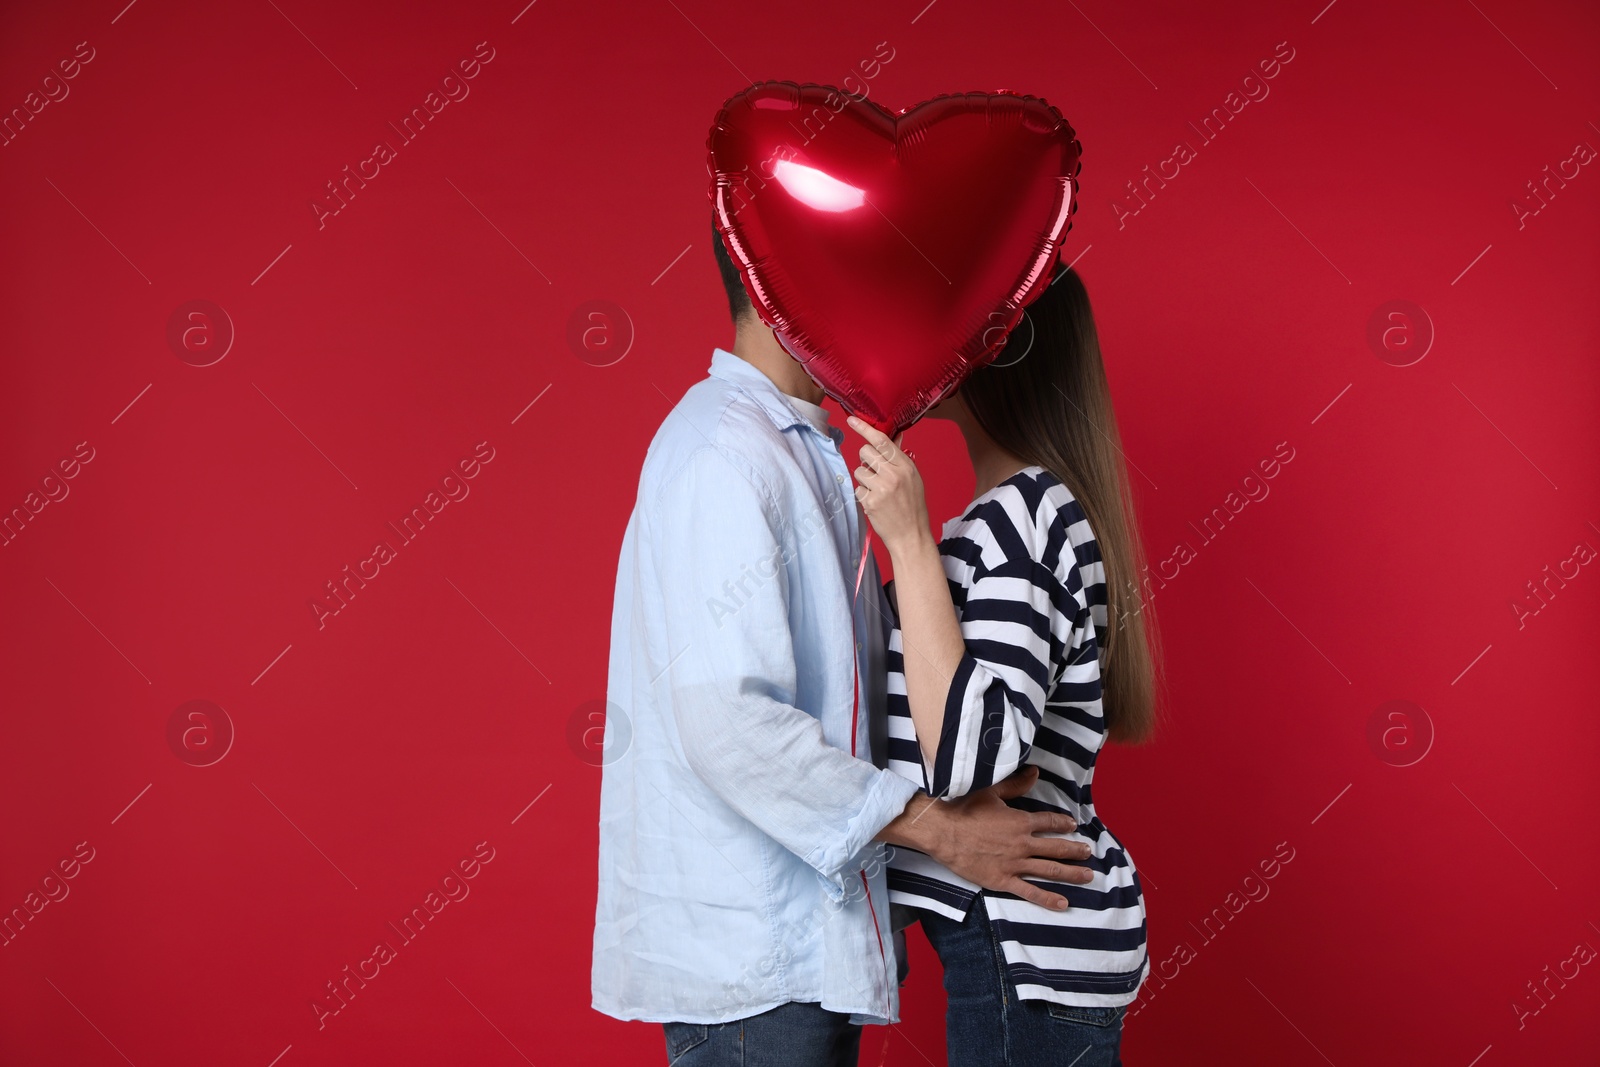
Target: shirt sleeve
<point x="1023" y="624"/>
<point x="721" y="552"/>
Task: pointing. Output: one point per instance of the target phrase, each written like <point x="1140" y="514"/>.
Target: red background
<point x="372" y="354"/>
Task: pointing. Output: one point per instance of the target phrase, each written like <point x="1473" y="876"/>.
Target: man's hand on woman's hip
<point x="986" y="841"/>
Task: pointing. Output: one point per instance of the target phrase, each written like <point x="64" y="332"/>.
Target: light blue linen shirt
<point x="738" y="869"/>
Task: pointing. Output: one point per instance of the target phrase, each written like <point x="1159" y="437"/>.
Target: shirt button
<point x="839" y="478"/>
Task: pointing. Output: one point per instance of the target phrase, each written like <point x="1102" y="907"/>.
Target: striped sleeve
<point x="1023" y="617"/>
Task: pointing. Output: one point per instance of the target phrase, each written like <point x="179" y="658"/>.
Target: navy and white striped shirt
<point x="1029" y="587"/>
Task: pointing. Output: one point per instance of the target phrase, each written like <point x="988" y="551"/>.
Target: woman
<point x="1042" y="653"/>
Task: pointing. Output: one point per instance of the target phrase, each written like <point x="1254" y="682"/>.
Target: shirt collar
<point x="784" y="410"/>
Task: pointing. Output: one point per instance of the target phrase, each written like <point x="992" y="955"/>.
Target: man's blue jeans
<point x="986" y="1025"/>
<point x="790" y="1035"/>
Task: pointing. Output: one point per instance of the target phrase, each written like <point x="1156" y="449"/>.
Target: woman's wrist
<point x="910" y="544"/>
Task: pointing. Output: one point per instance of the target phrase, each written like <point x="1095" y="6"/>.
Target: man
<point x="744" y="824"/>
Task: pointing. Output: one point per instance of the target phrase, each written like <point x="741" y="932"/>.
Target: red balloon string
<point x="855" y="711"/>
<point x="861" y="569"/>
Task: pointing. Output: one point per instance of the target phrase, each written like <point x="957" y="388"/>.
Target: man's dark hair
<point x="738" y="300"/>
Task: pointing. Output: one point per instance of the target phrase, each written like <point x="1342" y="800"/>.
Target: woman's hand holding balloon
<point x="890" y="491"/>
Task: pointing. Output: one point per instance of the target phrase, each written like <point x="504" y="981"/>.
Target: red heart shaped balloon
<point x="891" y="253"/>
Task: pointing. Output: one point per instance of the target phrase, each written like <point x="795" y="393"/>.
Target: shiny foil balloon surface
<point x="891" y="253"/>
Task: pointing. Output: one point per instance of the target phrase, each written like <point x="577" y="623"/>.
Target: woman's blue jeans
<point x="986" y="1025"/>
